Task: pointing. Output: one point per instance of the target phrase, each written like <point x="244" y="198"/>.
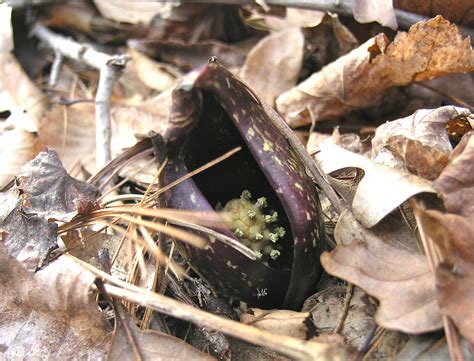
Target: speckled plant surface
<point x="211" y="116"/>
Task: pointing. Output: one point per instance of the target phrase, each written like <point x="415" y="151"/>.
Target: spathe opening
<point x="215" y="134"/>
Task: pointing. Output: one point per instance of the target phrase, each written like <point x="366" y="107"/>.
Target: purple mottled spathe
<point x="218" y="96"/>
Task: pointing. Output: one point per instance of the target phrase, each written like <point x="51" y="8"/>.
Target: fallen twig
<point x="345" y="309"/>
<point x="405" y="19"/>
<point x="110" y="66"/>
<point x="289" y="346"/>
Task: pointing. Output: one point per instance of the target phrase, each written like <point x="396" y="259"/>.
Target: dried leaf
<point x="429" y="347"/>
<point x="326" y="38"/>
<point x="86" y="245"/>
<point x="419" y="141"/>
<point x="401" y="280"/>
<point x="154" y="75"/>
<point x="71" y="132"/>
<point x="382" y="188"/>
<point x="359" y="321"/>
<point x="17" y="142"/>
<point x="366" y="11"/>
<point x="51" y="314"/>
<point x="430" y="49"/>
<point x="198" y="21"/>
<point x="280" y="322"/>
<point x="452" y="234"/>
<point x="327" y="42"/>
<point x="129" y="342"/>
<point x="52" y="193"/>
<point x="455" y="275"/>
<point x="83" y="16"/>
<point x="293" y="18"/>
<point x="28" y="237"/>
<point x="192" y="56"/>
<point x="456" y="11"/>
<point x="133" y="12"/>
<point x="47" y="193"/>
<point x="451" y="87"/>
<point x="270" y="68"/>
<point x="456" y="182"/>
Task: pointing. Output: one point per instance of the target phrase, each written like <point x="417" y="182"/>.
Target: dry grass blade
<point x="289" y="346"/>
<point x="434" y="259"/>
<point x="98" y="216"/>
<point x="187" y="237"/>
<point x="203" y="218"/>
<point x="220" y="237"/>
<point x="146" y="241"/>
<point x="129" y="177"/>
<point x="159" y="255"/>
<point x="206" y="218"/>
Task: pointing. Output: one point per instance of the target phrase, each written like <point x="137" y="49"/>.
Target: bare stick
<point x="55" y="68"/>
<point x="345" y="308"/>
<point x="405" y="19"/>
<point x="289" y="346"/>
<point x="109" y="72"/>
<point x="110" y="67"/>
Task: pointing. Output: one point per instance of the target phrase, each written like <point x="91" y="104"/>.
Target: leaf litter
<point x="392" y="143"/>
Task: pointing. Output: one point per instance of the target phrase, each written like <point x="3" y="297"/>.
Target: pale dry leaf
<point x="18" y="140"/>
<point x="381" y="11"/>
<point x="420" y="141"/>
<point x="70" y="130"/>
<point x="455" y="274"/>
<point x="452" y="234"/>
<point x="274" y="64"/>
<point x="86" y="245"/>
<point x="382" y="188"/>
<point x="359" y="321"/>
<point x="460" y="12"/>
<point x="50" y="314"/>
<point x="315" y="140"/>
<point x="147" y="116"/>
<point x="454" y="86"/>
<point x="456" y="183"/>
<point x="151" y="345"/>
<point x="194" y="22"/>
<point x="45" y="192"/>
<point x="280" y="322"/>
<point x="50" y="192"/>
<point x="288" y="18"/>
<point x="429" y="347"/>
<point x="142" y="70"/>
<point x="401" y="280"/>
<point x="187" y="56"/>
<point x="134" y="12"/>
<point x="428" y="50"/>
<point x="327" y="42"/>
<point x="28" y="237"/>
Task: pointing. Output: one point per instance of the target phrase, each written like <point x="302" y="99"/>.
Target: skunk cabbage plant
<point x="266" y="193"/>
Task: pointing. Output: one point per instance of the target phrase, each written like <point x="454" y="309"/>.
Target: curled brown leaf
<point x="429" y="49"/>
<point x="401" y="280"/>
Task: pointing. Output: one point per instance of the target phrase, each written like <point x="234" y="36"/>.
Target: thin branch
<point x="110" y="67"/>
<point x="405" y="19"/>
<point x="55" y="69"/>
<point x="289" y="346"/>
<point x="345" y="308"/>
